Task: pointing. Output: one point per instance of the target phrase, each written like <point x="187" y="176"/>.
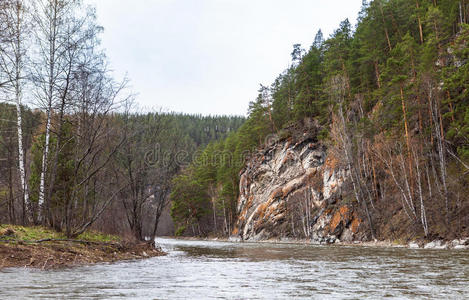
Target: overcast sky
<point x="209" y="56"/>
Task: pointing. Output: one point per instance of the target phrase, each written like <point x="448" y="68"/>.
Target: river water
<point x="223" y="270"/>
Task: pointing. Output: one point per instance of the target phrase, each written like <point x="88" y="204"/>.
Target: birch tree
<point x="82" y="61"/>
<point x="12" y="64"/>
<point x="50" y="20"/>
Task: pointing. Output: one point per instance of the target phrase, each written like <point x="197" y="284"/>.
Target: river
<point x="224" y="270"/>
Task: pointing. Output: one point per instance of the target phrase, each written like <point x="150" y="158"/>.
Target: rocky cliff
<point x="293" y="188"/>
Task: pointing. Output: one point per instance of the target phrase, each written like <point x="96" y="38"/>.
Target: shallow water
<point x="223" y="270"/>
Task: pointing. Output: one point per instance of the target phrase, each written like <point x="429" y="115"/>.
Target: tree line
<point x="391" y="99"/>
<point x="79" y="155"/>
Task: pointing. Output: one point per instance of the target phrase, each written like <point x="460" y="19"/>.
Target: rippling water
<point x="222" y="270"/>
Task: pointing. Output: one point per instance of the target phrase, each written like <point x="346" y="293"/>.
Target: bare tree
<point x="441" y="145"/>
<point x="66" y="39"/>
<point x="82" y="63"/>
<point x="94" y="97"/>
<point x="338" y="88"/>
<point x="399" y="177"/>
<point x="146" y="163"/>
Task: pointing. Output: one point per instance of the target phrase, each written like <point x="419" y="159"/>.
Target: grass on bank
<point x="34" y="233"/>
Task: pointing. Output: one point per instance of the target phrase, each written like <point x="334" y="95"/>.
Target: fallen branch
<point x="65" y="240"/>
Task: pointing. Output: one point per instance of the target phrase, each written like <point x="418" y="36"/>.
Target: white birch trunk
<point x="423" y="215"/>
<point x="19" y="123"/>
<point x="44" y="168"/>
<point x="225" y="222"/>
<point x="17" y="45"/>
<point x="51" y="43"/>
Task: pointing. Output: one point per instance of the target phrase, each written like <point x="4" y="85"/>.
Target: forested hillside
<point x="141" y="153"/>
<point x="388" y="99"/>
<point x="73" y="153"/>
<point x="391" y="100"/>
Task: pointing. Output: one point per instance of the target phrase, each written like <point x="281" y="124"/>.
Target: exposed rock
<point x="436" y="244"/>
<point x="234" y="239"/>
<point x="460" y="244"/>
<point x="347" y="235"/>
<point x="292" y="189"/>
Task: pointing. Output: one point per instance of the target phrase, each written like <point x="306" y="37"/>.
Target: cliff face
<point x="293" y="189"/>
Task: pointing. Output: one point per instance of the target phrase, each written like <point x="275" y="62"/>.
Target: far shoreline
<point x="457" y="244"/>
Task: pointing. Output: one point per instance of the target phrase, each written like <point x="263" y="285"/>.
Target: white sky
<point x="209" y="56"/>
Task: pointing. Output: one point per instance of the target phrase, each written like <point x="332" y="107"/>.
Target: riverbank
<point x="37" y="247"/>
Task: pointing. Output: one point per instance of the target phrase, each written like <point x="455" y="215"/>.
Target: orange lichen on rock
<point x="331" y="162"/>
<point x="278" y="192"/>
<point x="344" y="211"/>
<point x="288" y="156"/>
<point x="247" y="206"/>
<point x="355" y="224"/>
<point x="262" y="209"/>
<point x="336" y="219"/>
<point x="343" y="214"/>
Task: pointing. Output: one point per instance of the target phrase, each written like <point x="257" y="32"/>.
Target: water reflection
<point x="201" y="270"/>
